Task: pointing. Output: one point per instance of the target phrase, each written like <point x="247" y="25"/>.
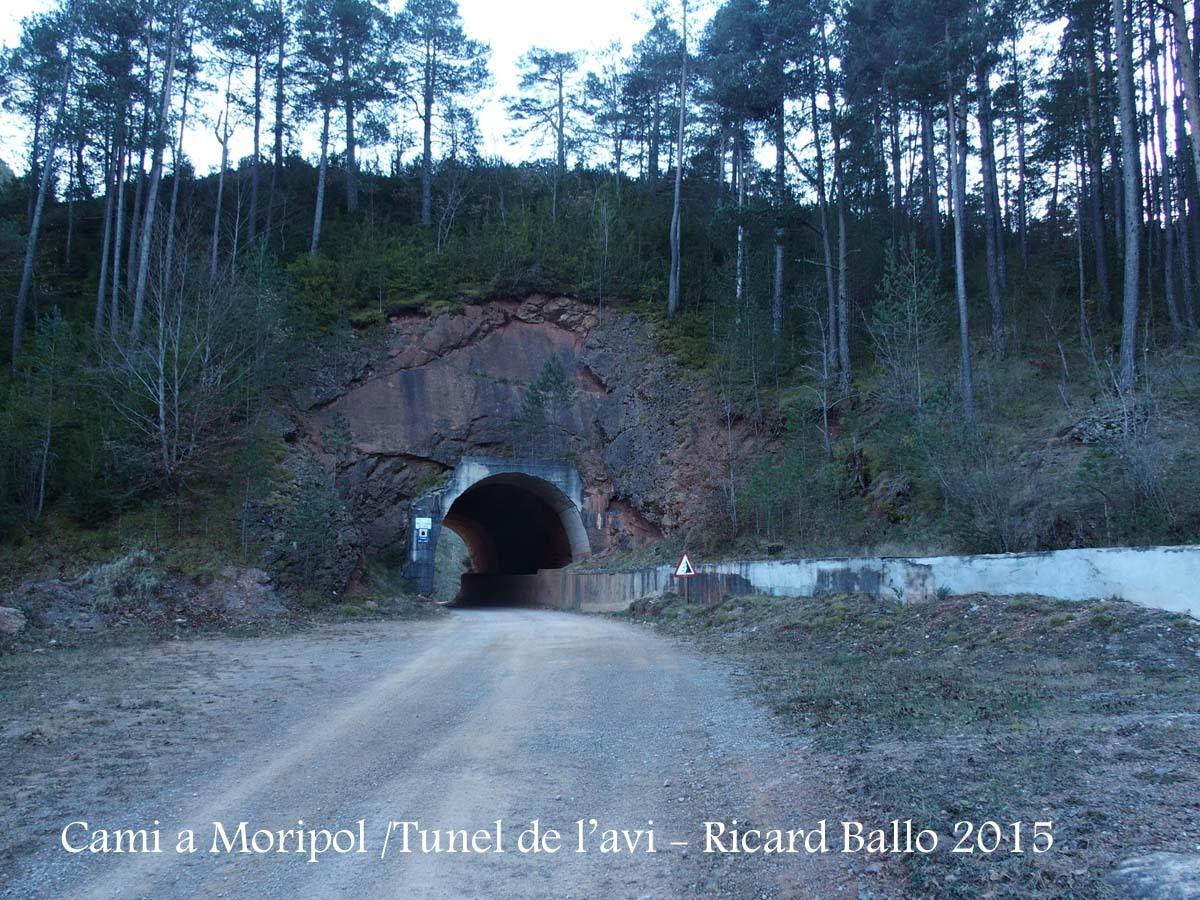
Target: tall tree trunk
<point x="81" y="173"/>
<point x="1052" y="206"/>
<point x="237" y="221"/>
<point x="1167" y="200"/>
<point x="739" y="274"/>
<point x="106" y="240"/>
<point x="1085" y="332"/>
<point x="879" y="178"/>
<point x="351" y="162"/>
<point x="1126" y="371"/>
<point x="991" y="223"/>
<point x="932" y="205"/>
<point x="70" y="197"/>
<point x="898" y="215"/>
<point x="35" y="222"/>
<point x="35" y="165"/>
<point x="1022" y="190"/>
<point x="252" y="218"/>
<point x="655" y="119"/>
<point x="843" y="293"/>
<point x="780" y="199"/>
<point x="322" y="174"/>
<point x="114" y="318"/>
<point x="1185" y="60"/>
<point x="135" y="214"/>
<point x="673" y="286"/>
<point x="160" y="143"/>
<point x="724" y="190"/>
<point x="960" y="283"/>
<point x="1115" y="152"/>
<point x="618" y="147"/>
<point x="1189" y="236"/>
<point x="1186" y="300"/>
<point x="427" y="137"/>
<point x="826" y="244"/>
<point x="177" y="155"/>
<point x="49" y="424"/>
<point x="277" y="164"/>
<point x="222" y="133"/>
<point x="1096" y="179"/>
<point x="560" y="150"/>
<point x="839" y="186"/>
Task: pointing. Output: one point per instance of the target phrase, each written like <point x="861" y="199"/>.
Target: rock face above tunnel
<point x="543" y="376"/>
<point x="461" y="386"/>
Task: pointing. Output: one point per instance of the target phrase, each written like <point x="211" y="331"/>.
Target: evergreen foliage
<point x="835" y="270"/>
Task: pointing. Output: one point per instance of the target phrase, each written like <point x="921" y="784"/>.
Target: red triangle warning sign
<point x="685" y="569"/>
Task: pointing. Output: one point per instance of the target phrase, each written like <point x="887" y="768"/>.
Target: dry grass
<point x="981" y="709"/>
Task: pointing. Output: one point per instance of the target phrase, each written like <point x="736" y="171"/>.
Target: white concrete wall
<point x="1158" y="577"/>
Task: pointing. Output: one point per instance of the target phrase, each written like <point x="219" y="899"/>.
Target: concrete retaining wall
<point x="1159" y="577"/>
<point x="597" y="591"/>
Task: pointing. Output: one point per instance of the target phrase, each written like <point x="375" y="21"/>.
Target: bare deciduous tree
<point x="180" y="388"/>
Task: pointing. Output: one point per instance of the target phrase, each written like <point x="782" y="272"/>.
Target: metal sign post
<point x="685" y="570"/>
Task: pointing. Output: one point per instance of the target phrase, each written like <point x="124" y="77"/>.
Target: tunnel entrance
<point x="511" y="526"/>
<point x="515" y="517"/>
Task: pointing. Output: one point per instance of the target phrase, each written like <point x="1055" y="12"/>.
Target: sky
<point x="514" y="26"/>
<point x="510" y="26"/>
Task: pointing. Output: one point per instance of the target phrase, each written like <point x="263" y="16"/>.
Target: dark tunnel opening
<point x="512" y="525"/>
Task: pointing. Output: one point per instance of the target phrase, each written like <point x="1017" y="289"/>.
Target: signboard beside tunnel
<point x="423" y="524"/>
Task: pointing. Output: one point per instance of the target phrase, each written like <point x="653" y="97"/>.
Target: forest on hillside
<point x="906" y="242"/>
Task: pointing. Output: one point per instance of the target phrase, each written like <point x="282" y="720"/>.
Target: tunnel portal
<point x="515" y="517"/>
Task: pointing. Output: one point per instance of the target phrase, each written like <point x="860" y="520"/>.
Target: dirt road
<point x="482" y="715"/>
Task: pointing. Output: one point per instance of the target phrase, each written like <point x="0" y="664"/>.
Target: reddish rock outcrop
<point x="649" y="442"/>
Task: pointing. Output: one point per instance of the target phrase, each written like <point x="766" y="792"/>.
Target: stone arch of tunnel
<point x="516" y="517"/>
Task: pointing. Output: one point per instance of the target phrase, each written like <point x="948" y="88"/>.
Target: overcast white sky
<point x="510" y="26"/>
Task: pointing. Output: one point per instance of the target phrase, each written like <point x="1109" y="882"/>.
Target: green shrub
<point x="313" y="305"/>
<point x="130" y="581"/>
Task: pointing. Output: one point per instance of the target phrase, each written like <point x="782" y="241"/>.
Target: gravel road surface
<point x="481" y="715"/>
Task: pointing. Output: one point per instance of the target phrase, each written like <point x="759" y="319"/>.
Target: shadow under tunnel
<point x="513" y="524"/>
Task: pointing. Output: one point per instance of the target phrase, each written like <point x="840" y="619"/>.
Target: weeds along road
<point x="454" y="723"/>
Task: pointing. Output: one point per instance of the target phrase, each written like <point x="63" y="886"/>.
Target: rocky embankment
<point x="380" y="418"/>
<point x="541" y="376"/>
<point x="135" y="590"/>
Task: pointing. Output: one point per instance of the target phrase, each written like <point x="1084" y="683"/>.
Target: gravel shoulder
<point x="982" y="709"/>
